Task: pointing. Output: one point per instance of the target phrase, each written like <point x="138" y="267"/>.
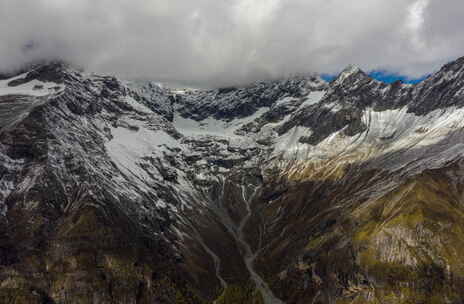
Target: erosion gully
<point x="238" y="233"/>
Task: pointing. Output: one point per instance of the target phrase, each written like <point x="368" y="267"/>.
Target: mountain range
<point x="287" y="191"/>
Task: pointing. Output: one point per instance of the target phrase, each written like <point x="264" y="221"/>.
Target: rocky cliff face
<point x="291" y="191"/>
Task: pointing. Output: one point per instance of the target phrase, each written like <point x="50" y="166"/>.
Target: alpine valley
<point x="295" y="191"/>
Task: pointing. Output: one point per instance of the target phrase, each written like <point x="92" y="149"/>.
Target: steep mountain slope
<point x="291" y="191"/>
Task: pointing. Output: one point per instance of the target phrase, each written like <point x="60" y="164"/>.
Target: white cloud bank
<point x="222" y="42"/>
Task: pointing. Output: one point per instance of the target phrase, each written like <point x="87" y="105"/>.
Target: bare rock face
<point x="291" y="191"/>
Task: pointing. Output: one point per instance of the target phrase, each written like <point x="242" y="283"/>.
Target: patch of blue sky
<point x="383" y="76"/>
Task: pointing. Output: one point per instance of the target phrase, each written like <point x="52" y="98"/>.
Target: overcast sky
<point x="223" y="42"/>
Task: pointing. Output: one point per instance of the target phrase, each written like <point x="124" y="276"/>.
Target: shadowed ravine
<point x="249" y="256"/>
<point x="248" y="192"/>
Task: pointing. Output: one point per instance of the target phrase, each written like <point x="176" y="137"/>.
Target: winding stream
<point x="249" y="257"/>
<point x="238" y="233"/>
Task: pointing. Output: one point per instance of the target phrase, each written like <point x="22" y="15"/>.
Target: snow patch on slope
<point x="32" y="88"/>
<point x="312" y="99"/>
<point x="289" y="145"/>
<point x="136" y="105"/>
<point x="398" y="129"/>
<point x="130" y="145"/>
<point x="387" y="131"/>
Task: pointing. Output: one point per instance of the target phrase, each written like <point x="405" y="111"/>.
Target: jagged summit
<point x="349" y="72"/>
<point x="231" y="103"/>
<point x="453" y="65"/>
<point x="51" y="67"/>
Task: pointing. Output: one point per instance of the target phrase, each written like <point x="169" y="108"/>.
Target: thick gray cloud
<point x="221" y="42"/>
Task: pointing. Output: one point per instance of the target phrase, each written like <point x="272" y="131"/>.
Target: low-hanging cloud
<point x="224" y="42"/>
